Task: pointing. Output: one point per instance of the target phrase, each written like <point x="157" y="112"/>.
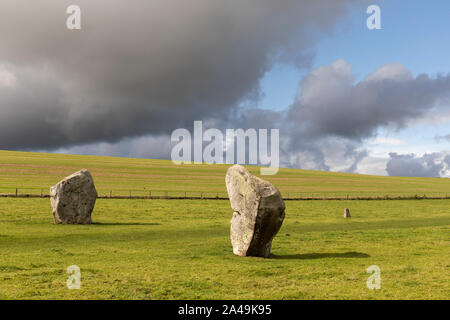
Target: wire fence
<point x="210" y="195"/>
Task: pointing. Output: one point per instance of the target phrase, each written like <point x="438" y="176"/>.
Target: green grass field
<point x="169" y="249"/>
<point x="180" y="249"/>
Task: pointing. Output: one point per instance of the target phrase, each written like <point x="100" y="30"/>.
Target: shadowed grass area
<point x="159" y="249"/>
<point x="323" y="255"/>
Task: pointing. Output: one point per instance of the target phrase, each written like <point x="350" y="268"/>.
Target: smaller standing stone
<point x="347" y="213"/>
<point x="73" y="199"/>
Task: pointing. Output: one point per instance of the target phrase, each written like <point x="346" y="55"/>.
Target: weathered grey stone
<point x="347" y="213"/>
<point x="258" y="212"/>
<point x="73" y="199"/>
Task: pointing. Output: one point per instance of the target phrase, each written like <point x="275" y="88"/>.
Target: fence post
<point x="42" y="194"/>
<point x="17" y="192"/>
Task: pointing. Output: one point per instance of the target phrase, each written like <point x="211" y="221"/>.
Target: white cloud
<point x="392" y="71"/>
<point x="435" y="164"/>
<point x="7" y="78"/>
<point x="386" y="141"/>
<point x="373" y="165"/>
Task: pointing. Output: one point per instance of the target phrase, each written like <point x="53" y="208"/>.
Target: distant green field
<point x="33" y="172"/>
<point x="160" y="249"/>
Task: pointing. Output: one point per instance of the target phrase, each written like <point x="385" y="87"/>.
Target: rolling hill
<point x="32" y="172"/>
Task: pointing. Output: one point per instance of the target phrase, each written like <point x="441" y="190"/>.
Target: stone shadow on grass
<point x="315" y="255"/>
<point x="126" y="223"/>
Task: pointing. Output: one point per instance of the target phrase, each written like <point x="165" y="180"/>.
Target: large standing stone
<point x="73" y="199"/>
<point x="258" y="212"/>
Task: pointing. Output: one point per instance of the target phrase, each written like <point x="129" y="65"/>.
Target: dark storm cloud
<point x="141" y="67"/>
<point x="331" y="103"/>
<point x="408" y="165"/>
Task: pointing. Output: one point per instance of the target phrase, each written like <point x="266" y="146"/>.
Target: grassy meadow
<point x="180" y="249"/>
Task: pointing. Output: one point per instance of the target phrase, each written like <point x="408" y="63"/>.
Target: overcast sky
<point x="345" y="98"/>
